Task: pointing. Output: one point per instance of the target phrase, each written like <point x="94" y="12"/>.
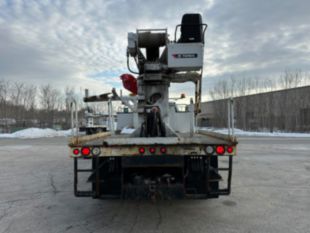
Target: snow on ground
<point x="127" y="130"/>
<point x="37" y="133"/>
<point x="239" y="132"/>
<point x="41" y="133"/>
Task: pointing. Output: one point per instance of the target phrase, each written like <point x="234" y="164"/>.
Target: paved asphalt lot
<point x="270" y="193"/>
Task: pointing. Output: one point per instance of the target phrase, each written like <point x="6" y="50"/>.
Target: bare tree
<point x="291" y="79"/>
<point x="69" y="96"/>
<point x="48" y="97"/>
<point x="4" y="95"/>
<point x="221" y="90"/>
<point x="17" y="92"/>
<point x="29" y="97"/>
<point x="305" y="79"/>
<point x="49" y="100"/>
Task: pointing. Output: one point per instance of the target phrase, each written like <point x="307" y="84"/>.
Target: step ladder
<point x="219" y="191"/>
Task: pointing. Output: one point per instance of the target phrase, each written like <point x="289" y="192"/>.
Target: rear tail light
<point x="96" y="151"/>
<point x="230" y="149"/>
<point x="210" y="150"/>
<point x="152" y="150"/>
<point x="76" y="151"/>
<point x="163" y="150"/>
<point x="141" y="150"/>
<point x="220" y="150"/>
<point x="85" y="151"/>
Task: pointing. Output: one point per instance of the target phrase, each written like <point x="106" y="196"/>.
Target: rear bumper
<point x="151" y="150"/>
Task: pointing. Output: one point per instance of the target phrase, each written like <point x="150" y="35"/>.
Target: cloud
<point x="244" y="35"/>
<point x="83" y="43"/>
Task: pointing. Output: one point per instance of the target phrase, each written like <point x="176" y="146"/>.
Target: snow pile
<point x="37" y="133"/>
<point x="127" y="130"/>
<point x="239" y="132"/>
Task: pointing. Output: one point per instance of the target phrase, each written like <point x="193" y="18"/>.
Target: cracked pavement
<point x="270" y="193"/>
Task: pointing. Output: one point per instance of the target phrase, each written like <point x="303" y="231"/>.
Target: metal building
<point x="284" y="110"/>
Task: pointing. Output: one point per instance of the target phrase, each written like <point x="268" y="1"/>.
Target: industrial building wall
<point x="285" y="110"/>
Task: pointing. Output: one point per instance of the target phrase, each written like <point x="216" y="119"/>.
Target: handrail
<point x="203" y="33"/>
<point x="111" y="119"/>
<point x="74" y="118"/>
<point x="230" y="117"/>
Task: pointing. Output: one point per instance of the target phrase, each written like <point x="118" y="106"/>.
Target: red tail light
<point x="220" y="150"/>
<point x="152" y="150"/>
<point x="76" y="151"/>
<point x="230" y="149"/>
<point x="141" y="150"/>
<point x="85" y="151"/>
<point x="163" y="150"/>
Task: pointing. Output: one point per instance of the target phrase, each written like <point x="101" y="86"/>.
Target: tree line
<point x="25" y="105"/>
<point x="241" y="86"/>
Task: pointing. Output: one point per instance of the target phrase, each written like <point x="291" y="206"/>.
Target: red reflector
<point x="152" y="150"/>
<point x="163" y="150"/>
<point x="141" y="150"/>
<point x="230" y="149"/>
<point x="85" y="151"/>
<point x="76" y="151"/>
<point x="220" y="150"/>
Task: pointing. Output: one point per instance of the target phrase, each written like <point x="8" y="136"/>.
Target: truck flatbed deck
<point x="182" y="139"/>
